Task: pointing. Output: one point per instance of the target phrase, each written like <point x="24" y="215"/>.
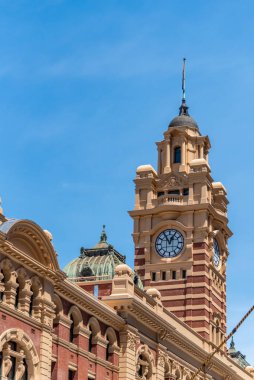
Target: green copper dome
<point x="97" y="263"/>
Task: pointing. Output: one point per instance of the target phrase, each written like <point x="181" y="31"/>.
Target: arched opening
<point x="166" y="371"/>
<point x="17" y="294"/>
<point x="177" y="155"/>
<point x="75" y="321"/>
<point x="144" y="363"/>
<point x="18" y="356"/>
<point x="94" y="328"/>
<point x="72" y="326"/>
<point x="58" y="312"/>
<point x="112" y="345"/>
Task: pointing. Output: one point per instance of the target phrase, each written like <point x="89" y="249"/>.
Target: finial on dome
<point x="232" y="343"/>
<point x="183" y="110"/>
<point x="103" y="235"/>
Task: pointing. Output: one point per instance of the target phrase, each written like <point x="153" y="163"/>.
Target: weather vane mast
<point x="183" y="78"/>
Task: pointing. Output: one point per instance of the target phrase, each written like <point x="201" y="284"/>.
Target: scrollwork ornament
<point x="131" y="341"/>
<point x="161" y="359"/>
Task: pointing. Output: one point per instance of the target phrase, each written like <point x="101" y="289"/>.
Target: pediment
<point x="30" y="238"/>
<point x="172" y="181"/>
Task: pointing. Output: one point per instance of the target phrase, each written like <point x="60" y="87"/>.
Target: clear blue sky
<point x="87" y="87"/>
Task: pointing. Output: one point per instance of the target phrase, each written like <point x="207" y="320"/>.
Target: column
<point x="183" y="145"/>
<point x="204" y="194"/>
<point x="127" y="358"/>
<point x="137" y="199"/>
<point x="46" y="334"/>
<point x="201" y="151"/>
<point x="159" y="159"/>
<point x="167" y="167"/>
<point x="160" y="365"/>
<point x="190" y="200"/>
<point x="149" y="198"/>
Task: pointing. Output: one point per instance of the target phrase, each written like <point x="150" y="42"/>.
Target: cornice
<point x="28" y="262"/>
<point x="174" y="336"/>
<point x="63" y="286"/>
<point x="89" y="304"/>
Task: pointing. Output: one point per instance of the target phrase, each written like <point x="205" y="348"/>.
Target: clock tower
<point x="181" y="228"/>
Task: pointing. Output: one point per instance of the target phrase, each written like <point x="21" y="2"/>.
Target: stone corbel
<point x="47" y="312"/>
<point x="10" y="290"/>
<point x="37" y="308"/>
<point x="98" y="340"/>
<point x="114" y="349"/>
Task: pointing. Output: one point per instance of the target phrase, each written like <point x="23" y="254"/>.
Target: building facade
<point x="99" y="319"/>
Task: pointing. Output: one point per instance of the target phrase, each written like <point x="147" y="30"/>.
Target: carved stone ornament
<point x="170" y="181"/>
<point x="161" y="359"/>
<point x="144" y="363"/>
<point x="131" y="341"/>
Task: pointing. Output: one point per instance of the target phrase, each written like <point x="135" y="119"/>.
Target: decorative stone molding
<point x="145" y="359"/>
<point x="131" y="341"/>
<point x="23" y="339"/>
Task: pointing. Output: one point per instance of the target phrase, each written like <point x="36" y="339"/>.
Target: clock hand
<point x="170" y="240"/>
<point x="166" y="238"/>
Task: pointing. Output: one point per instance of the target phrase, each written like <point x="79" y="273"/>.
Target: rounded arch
<point x="94" y="326"/>
<point x="6" y="264"/>
<point x="177" y="154"/>
<point x="20" y="337"/>
<point x="58" y="304"/>
<point x="110" y="335"/>
<point x="218" y="235"/>
<point x="75" y="313"/>
<point x="145" y="364"/>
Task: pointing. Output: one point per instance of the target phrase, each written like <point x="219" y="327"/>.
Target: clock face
<point x="169" y="243"/>
<point x="216" y="253"/>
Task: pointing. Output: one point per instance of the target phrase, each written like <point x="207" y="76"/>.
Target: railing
<point x="170" y="199"/>
<point x="90" y="278"/>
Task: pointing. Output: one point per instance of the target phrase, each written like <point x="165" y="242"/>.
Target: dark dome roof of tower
<point x="183" y="119"/>
<point x="98" y="263"/>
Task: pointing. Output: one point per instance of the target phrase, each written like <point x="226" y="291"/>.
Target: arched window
<point x="17" y="295"/>
<point x="177" y="155"/>
<point x="94" y="328"/>
<point x="58" y="312"/>
<point x="72" y="335"/>
<point x="112" y="345"/>
<point x="75" y="317"/>
<point x="90" y="342"/>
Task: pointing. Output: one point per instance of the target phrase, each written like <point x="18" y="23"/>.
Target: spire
<point x="103" y="235"/>
<point x="232" y="344"/>
<point x="183" y="110"/>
